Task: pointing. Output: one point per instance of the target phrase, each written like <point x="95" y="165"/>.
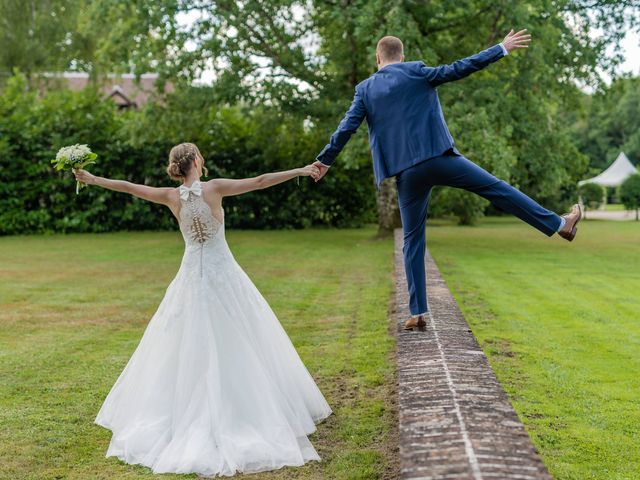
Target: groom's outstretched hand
<point x="323" y="169"/>
<point x="519" y="39"/>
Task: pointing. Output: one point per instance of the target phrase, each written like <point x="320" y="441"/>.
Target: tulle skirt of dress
<point x="215" y="386"/>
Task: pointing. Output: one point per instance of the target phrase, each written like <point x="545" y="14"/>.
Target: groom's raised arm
<point x="349" y="124"/>
<point x="466" y="66"/>
<point x="462" y="68"/>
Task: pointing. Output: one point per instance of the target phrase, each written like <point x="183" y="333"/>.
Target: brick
<point x="456" y="421"/>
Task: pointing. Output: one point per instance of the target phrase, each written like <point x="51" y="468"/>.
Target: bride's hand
<point x="84" y="176"/>
<point x="309" y="171"/>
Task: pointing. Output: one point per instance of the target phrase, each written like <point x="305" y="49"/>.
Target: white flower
<point x="73" y="154"/>
<point x="72" y="157"/>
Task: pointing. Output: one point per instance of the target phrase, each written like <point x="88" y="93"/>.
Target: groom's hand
<point x="323" y="169"/>
<point x="519" y="39"/>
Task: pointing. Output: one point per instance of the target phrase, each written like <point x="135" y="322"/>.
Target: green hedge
<point x="134" y="145"/>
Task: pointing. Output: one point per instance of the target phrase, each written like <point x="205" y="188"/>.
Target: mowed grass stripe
<point x="73" y="308"/>
<point x="560" y="323"/>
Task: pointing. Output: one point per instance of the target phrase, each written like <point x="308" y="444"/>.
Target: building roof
<point x="121" y="87"/>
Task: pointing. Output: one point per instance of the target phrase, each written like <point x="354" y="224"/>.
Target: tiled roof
<point x="121" y="87"/>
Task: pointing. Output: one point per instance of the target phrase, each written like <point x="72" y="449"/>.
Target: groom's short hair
<point x="390" y="48"/>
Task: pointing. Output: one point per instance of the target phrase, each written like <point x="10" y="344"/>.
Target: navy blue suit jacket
<point x="401" y="105"/>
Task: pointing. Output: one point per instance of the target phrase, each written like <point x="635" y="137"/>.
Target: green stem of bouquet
<point x="89" y="161"/>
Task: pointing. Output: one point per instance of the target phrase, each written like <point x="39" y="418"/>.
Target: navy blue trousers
<point x="453" y="170"/>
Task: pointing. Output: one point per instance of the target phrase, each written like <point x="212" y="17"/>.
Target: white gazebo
<point x="615" y="175"/>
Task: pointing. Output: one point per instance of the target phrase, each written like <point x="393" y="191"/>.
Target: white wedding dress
<point x="215" y="386"/>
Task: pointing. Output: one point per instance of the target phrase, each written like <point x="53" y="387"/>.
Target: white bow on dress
<point x="195" y="188"/>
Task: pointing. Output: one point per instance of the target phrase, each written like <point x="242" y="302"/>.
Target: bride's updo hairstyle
<point x="181" y="159"/>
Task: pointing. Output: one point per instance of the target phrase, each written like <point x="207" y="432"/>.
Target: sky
<point x="631" y="47"/>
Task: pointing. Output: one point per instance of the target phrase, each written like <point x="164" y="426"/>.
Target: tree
<point x="591" y="194"/>
<point x="36" y="35"/>
<point x="610" y="122"/>
<point x="306" y="57"/>
<point x="630" y="193"/>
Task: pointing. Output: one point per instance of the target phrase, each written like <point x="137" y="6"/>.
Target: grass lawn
<point x="560" y="323"/>
<point x="613" y="207"/>
<point x="73" y="308"/>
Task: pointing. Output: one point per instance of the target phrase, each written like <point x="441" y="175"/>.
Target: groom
<point x="409" y="139"/>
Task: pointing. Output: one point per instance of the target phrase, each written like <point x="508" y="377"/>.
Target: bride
<point x="215" y="385"/>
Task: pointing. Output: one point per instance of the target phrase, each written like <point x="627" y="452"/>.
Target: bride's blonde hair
<point x="180" y="160"/>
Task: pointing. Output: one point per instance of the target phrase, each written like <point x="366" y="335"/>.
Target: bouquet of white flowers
<point x="72" y="157"/>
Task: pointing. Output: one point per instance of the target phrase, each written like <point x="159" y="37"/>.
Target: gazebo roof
<point x="617" y="173"/>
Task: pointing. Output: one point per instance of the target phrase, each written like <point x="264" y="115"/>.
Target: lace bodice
<point x="200" y="229"/>
<point x="197" y="223"/>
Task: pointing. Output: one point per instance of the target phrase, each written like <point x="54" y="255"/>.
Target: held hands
<point x="519" y="39"/>
<point x="322" y="169"/>
<point x="84" y="176"/>
<point x="309" y="171"/>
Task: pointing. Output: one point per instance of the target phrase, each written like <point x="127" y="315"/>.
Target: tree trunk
<point x="388" y="211"/>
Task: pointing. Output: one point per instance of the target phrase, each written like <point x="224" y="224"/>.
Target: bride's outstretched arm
<point x="160" y="195"/>
<point x="228" y="186"/>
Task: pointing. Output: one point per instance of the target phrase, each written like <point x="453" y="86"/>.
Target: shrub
<point x="134" y="146"/>
<point x="592" y="194"/>
<point x="630" y="193"/>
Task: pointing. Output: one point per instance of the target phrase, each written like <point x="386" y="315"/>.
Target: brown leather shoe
<point x="569" y="230"/>
<point x="414" y="322"/>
